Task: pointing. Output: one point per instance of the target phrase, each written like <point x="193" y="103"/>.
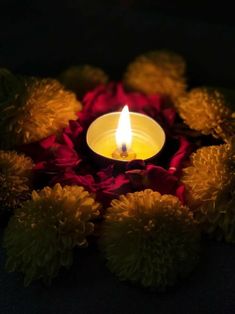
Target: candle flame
<point x="123" y="132"/>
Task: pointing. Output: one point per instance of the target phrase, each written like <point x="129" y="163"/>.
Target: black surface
<point x="89" y="288"/>
<point x="45" y="39"/>
<point x="42" y="39"/>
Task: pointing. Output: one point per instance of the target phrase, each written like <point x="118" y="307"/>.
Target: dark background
<point x="43" y="39"/>
<point x="47" y="37"/>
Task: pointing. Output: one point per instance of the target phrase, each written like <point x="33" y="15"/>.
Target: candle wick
<point x="124" y="153"/>
<point x="124" y="148"/>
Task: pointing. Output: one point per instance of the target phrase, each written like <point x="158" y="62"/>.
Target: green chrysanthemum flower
<point x="81" y="79"/>
<point x="157" y="72"/>
<point x="15" y="181"/>
<point x="150" y="239"/>
<point x="207" y="110"/>
<point x="44" y="108"/>
<point x="41" y="235"/>
<point x="210" y="187"/>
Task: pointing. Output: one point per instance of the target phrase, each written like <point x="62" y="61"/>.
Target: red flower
<point x="157" y="179"/>
<point x="61" y="148"/>
<point x="71" y="178"/>
<point x="113" y="97"/>
<point x="110" y="186"/>
<point x="137" y="177"/>
<point x="181" y="155"/>
<point x="63" y="159"/>
<point x="74" y="132"/>
<point x="55" y="156"/>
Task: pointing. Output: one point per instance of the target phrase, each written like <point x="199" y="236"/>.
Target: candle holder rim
<point x="130" y="112"/>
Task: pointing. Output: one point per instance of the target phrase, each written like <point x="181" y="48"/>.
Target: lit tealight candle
<point x="125" y="136"/>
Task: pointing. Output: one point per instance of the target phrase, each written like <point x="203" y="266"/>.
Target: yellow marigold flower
<point x="83" y="78"/>
<point x="43" y="109"/>
<point x="149" y="238"/>
<point x="41" y="235"/>
<point x="210" y="187"/>
<point x="15" y="180"/>
<point x="207" y="110"/>
<point x="157" y="72"/>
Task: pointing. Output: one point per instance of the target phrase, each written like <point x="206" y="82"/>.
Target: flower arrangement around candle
<point x="149" y="238"/>
<point x="208" y="110"/>
<point x="149" y="213"/>
<point x="15" y="181"/>
<point x="210" y="187"/>
<point x="43" y="108"/>
<point x="81" y="79"/>
<point x="43" y="232"/>
<point x="157" y="72"/>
